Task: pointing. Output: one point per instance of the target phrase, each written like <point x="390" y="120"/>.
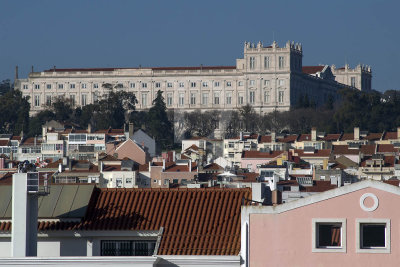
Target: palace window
<point x="48" y="100"/>
<point x="181" y="99"/>
<point x="83" y="99"/>
<point x="240" y="99"/>
<point x="281" y="82"/>
<point x="229" y="84"/>
<point x="25" y="86"/>
<point x="229" y="98"/>
<point x="216" y="84"/>
<point x="266" y="62"/>
<point x="281" y="62"/>
<point x="266" y="96"/>
<point x="192" y="84"/>
<point x="169" y="85"/>
<point x="60" y="86"/>
<point x="144" y="100"/>
<point x="353" y="81"/>
<point x="205" y="84"/>
<point x="144" y="85"/>
<point x="72" y="86"/>
<point x="252" y="97"/>
<point x="83" y="85"/>
<point x="72" y="99"/>
<point x="205" y="99"/>
<point x="95" y="85"/>
<point x="37" y="101"/>
<point x="37" y="86"/>
<point x="169" y="99"/>
<point x="252" y="82"/>
<point x="193" y="99"/>
<point x="181" y="84"/>
<point x="48" y="86"/>
<point x="133" y="85"/>
<point x="266" y="82"/>
<point x="216" y="98"/>
<point x="240" y="83"/>
<point x="281" y="97"/>
<point x="252" y="63"/>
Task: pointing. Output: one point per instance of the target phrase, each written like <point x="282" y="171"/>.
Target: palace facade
<point x="267" y="77"/>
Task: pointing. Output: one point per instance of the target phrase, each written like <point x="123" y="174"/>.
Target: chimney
<point x="356" y="133"/>
<point x="273" y="137"/>
<point x="89" y="128"/>
<point x="1" y="163"/>
<point x="60" y="167"/>
<point x="163" y="165"/>
<point x="313" y="134"/>
<point x="241" y="136"/>
<point x="131" y="129"/>
<point x="16" y="74"/>
<point x="44" y="133"/>
<point x="398" y="132"/>
<point x="190" y="166"/>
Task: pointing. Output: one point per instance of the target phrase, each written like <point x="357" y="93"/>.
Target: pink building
<point x="252" y="160"/>
<point x="354" y="225"/>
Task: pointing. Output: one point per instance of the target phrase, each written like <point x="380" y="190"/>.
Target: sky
<point x="76" y="34"/>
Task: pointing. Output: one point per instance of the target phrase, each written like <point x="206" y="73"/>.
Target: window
<point x="252" y="97"/>
<point x="169" y="85"/>
<point x="240" y="99"/>
<point x="322" y="177"/>
<point x="127" y="248"/>
<point x="229" y="84"/>
<point x="158" y="84"/>
<point x="252" y="82"/>
<point x="328" y="235"/>
<point x="216" y="98"/>
<point x="281" y="62"/>
<point x="84" y="99"/>
<point x="281" y="82"/>
<point x="144" y="85"/>
<point x="181" y="99"/>
<point x="205" y="84"/>
<point x="96" y="85"/>
<point x="266" y="82"/>
<point x="192" y="84"/>
<point x="166" y="181"/>
<point x="252" y="63"/>
<point x="144" y="100"/>
<point x="240" y="83"/>
<point x="83" y="85"/>
<point x="60" y="86"/>
<point x="266" y="97"/>
<point x="48" y="100"/>
<point x="229" y="98"/>
<point x="181" y="84"/>
<point x="353" y="81"/>
<point x="266" y="62"/>
<point x="48" y="86"/>
<point x="373" y="235"/>
<point x="193" y="99"/>
<point x="281" y="97"/>
<point x="72" y="99"/>
<point x="231" y="155"/>
<point x="37" y="86"/>
<point x="205" y="99"/>
<point x="25" y="86"/>
<point x="72" y="86"/>
<point x="128" y="180"/>
<point x="37" y="100"/>
<point x="133" y="85"/>
<point x="216" y="84"/>
<point x="169" y="99"/>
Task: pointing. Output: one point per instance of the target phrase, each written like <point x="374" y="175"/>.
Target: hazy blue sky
<point x="182" y="33"/>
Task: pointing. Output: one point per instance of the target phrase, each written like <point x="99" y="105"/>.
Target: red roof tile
<point x="368" y="149"/>
<point x="261" y="155"/>
<point x="4" y="142"/>
<point x="390" y="136"/>
<point x="323" y="153"/>
<point x="312" y="69"/>
<point x="345" y="150"/>
<point x="387" y="148"/>
<point x="288" y="139"/>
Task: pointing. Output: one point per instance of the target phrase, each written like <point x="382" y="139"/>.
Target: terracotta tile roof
<point x="31" y="141"/>
<point x="288" y="139"/>
<point x="389" y="161"/>
<point x="195" y="221"/>
<point x="331" y="137"/>
<point x="111" y="168"/>
<point x="318" y="186"/>
<point x="368" y="149"/>
<point x="390" y="136"/>
<point x="250" y="177"/>
<point x="323" y="153"/>
<point x="184" y="156"/>
<point x="261" y="155"/>
<point x="373" y="136"/>
<point x="312" y="69"/>
<point x="265" y="139"/>
<point x="4" y="142"/>
<point x="348" y="136"/>
<point x="193" y="147"/>
<point x="387" y="148"/>
<point x="392" y="182"/>
<point x="144" y="167"/>
<point x="304" y="137"/>
<point x="16" y="137"/>
<point x="344" y="150"/>
<point x="213" y="166"/>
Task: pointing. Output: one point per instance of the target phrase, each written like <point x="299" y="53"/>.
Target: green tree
<point x="14" y="110"/>
<point x="158" y="124"/>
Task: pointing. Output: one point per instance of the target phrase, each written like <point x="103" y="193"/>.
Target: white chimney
<point x="163" y="165"/>
<point x="60" y="167"/>
<point x="356" y="133"/>
<point x="190" y="166"/>
<point x="314" y="134"/>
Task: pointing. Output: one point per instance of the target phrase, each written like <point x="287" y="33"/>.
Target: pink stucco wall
<point x="244" y="162"/>
<point x="285" y="239"/>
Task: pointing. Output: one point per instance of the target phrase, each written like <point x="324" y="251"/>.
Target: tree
<point x="158" y="124"/>
<point x="62" y="109"/>
<point x="248" y="116"/>
<point x="5" y="86"/>
<point x="14" y="110"/>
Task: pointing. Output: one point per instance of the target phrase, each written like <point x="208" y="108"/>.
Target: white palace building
<point x="267" y="77"/>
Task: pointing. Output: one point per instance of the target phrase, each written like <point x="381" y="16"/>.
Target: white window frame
<point x="169" y="99"/>
<point x="266" y="62"/>
<point x="169" y="85"/>
<point x="48" y="86"/>
<point x="386" y="249"/>
<point x="343" y="233"/>
<point x="71" y="86"/>
<point x="252" y="97"/>
<point x="229" y="98"/>
<point x="266" y="82"/>
<point x="204" y="99"/>
<point x="193" y="84"/>
<point x="181" y="84"/>
<point x="192" y="98"/>
<point x="37" y="86"/>
<point x="240" y="83"/>
<point x="144" y="85"/>
<point x="252" y="82"/>
<point x="216" y="84"/>
<point x="205" y="84"/>
<point x="181" y="99"/>
<point x="25" y="86"/>
<point x="95" y="85"/>
<point x="228" y="84"/>
<point x="281" y="61"/>
<point x="252" y="63"/>
<point x="83" y="85"/>
<point x="132" y="85"/>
